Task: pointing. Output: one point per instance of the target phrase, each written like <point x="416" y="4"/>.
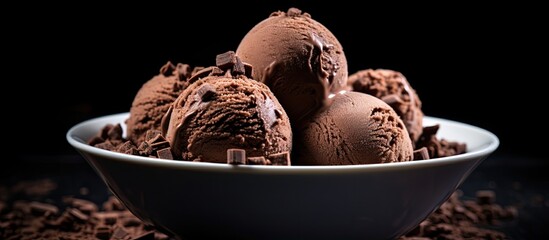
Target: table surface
<point x="517" y="181"/>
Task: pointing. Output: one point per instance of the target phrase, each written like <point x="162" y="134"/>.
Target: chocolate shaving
<point x="226" y="60"/>
<point x="204" y="73"/>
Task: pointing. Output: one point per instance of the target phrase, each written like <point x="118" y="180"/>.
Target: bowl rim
<point x="82" y="146"/>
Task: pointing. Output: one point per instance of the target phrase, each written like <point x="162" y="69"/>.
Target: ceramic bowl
<point x="195" y="200"/>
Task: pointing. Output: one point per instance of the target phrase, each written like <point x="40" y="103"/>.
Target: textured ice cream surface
<point x="298" y="58"/>
<point x="356" y="128"/>
<point x="219" y="113"/>
<point x="394" y="89"/>
<point x="154" y="98"/>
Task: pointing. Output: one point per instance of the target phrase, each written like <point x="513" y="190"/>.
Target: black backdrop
<point x="468" y="63"/>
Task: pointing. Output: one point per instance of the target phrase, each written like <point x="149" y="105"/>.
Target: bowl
<point x="196" y="200"/>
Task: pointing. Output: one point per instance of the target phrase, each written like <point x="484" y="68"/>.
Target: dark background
<point x="482" y="65"/>
<point x="474" y="64"/>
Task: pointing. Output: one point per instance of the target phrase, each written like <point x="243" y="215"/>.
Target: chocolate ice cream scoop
<point x="298" y="58"/>
<point x="154" y="98"/>
<point x="356" y="129"/>
<point x="393" y="88"/>
<point x="227" y="117"/>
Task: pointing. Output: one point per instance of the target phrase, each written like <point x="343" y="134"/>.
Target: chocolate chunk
<point x="183" y="71"/>
<point x="152" y="135"/>
<point x="115" y="133"/>
<point x="107" y="218"/>
<point x="165" y="153"/>
<point x="113" y="204"/>
<point x="145" y="148"/>
<point x="106" y="145"/>
<point x="104" y="131"/>
<point x="391" y="99"/>
<point x="206" y="92"/>
<point x="95" y="140"/>
<point x="236" y="156"/>
<point x="226" y="60"/>
<point x="160" y="145"/>
<point x="293" y="12"/>
<point x="258" y="161"/>
<point x="248" y="70"/>
<point x="128" y="148"/>
<point x="238" y="67"/>
<point x="103" y="232"/>
<point x="78" y="215"/>
<point x="131" y="221"/>
<point x="119" y="233"/>
<point x="438" y="147"/>
<point x="431" y="130"/>
<point x="280" y="159"/>
<point x="85" y="206"/>
<point x="167" y="69"/>
<point x="421" y="154"/>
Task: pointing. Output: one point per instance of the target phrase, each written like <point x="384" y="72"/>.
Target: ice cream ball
<point x="154" y="98"/>
<point x="394" y="89"/>
<point x="356" y="128"/>
<point x="298" y="58"/>
<point x="224" y="111"/>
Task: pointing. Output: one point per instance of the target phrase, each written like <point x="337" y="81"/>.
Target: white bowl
<point x="194" y="200"/>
